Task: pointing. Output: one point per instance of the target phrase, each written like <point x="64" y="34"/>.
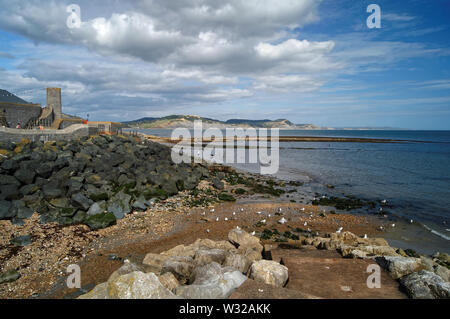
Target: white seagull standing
<point x="340" y="230"/>
<point x="305" y="224"/>
<point x="253" y="233"/>
<point x="282" y="221"/>
<point x="263" y="221"/>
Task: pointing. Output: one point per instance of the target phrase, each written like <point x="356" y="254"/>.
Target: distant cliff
<point x="187" y="121"/>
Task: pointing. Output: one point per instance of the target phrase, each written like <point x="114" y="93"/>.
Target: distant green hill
<point x="187" y="121"/>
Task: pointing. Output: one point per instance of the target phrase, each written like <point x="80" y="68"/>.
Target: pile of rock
<point x="205" y="269"/>
<point x="93" y="180"/>
<point x="421" y="276"/>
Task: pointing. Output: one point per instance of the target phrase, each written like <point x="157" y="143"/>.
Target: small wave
<point x="436" y="232"/>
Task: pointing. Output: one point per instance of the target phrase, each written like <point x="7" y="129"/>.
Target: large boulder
<point x="169" y="281"/>
<point x="238" y="262"/>
<point x="207" y="256"/>
<point x="99" y="292"/>
<point x="242" y="239"/>
<point x="138" y="285"/>
<point x="180" y="267"/>
<point x="425" y="285"/>
<point x="154" y="262"/>
<point x="269" y="272"/>
<point x="212" y="282"/>
<point x="127" y="268"/>
<point x="401" y="266"/>
<point x="442" y="272"/>
<point x="367" y="251"/>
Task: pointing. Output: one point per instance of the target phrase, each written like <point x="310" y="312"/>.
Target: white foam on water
<point x="436" y="232"/>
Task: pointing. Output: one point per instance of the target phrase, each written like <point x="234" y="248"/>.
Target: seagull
<point x="263" y="221"/>
<point x="302" y="209"/>
<point x="279" y="209"/>
<point x="282" y="220"/>
<point x="203" y="214"/>
<point x="317" y="233"/>
<point x="269" y="215"/>
<point x="383" y="201"/>
<point x="207" y="230"/>
<point x="217" y="219"/>
<point x="309" y="230"/>
<point x="381" y="209"/>
<point x="234" y="213"/>
<point x="365" y="236"/>
<point x="259" y="213"/>
<point x="238" y="228"/>
<point x="381" y="228"/>
<point x="305" y="224"/>
<point x="253" y="233"/>
<point x="226" y="219"/>
<point x="411" y="221"/>
<point x="393" y="225"/>
<point x="212" y="210"/>
<point x="242" y="209"/>
<point x="340" y="230"/>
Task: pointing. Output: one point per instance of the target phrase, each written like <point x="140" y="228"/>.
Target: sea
<point x="413" y="176"/>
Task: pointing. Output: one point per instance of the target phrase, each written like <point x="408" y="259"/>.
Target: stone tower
<point x="54" y="101"/>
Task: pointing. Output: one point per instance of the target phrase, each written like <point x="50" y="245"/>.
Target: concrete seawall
<point x="71" y="132"/>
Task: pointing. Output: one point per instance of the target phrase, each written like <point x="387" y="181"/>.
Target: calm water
<point x="414" y="177"/>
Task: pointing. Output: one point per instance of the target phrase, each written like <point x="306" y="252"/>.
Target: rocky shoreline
<point x="210" y="269"/>
<point x="105" y="200"/>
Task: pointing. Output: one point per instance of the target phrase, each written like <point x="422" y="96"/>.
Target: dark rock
<point x="101" y="221"/>
<point x="8" y="180"/>
<point x="9" y="276"/>
<point x="80" y="201"/>
<point x="9" y="192"/>
<point x="79" y="217"/>
<point x="45" y="170"/>
<point x="5" y="207"/>
<point x="24" y="212"/>
<point x="21" y="241"/>
<point x="25" y="176"/>
<point x="52" y="190"/>
<point x="425" y="285"/>
<point x="218" y="184"/>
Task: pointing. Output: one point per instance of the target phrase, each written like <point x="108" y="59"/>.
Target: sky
<point x="309" y="61"/>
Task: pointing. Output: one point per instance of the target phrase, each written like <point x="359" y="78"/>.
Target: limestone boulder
<point x="241" y="238"/>
<point x="401" y="266"/>
<point x="207" y="256"/>
<point x="180" y="267"/>
<point x="252" y="254"/>
<point x="442" y="272"/>
<point x="269" y="272"/>
<point x="212" y="282"/>
<point x="425" y="285"/>
<point x="138" y="285"/>
<point x="128" y="267"/>
<point x="154" y="262"/>
<point x="238" y="262"/>
<point x="169" y="281"/>
<point x="99" y="292"/>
